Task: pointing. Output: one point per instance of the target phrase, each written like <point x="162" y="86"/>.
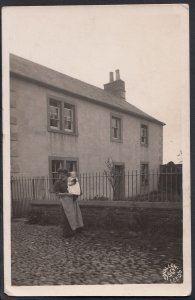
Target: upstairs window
<point x="144" y="134"/>
<point x="54" y="114"/>
<point x="61" y="117"/>
<point x="116" y="129"/>
<point x="144" y="174"/>
<point x="68" y="118"/>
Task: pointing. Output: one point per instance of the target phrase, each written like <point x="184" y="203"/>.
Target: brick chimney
<point x="115" y="87"/>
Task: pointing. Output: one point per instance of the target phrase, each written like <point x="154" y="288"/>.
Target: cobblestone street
<point x="40" y="256"/>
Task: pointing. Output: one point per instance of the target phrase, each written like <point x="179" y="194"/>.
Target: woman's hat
<point x="64" y="171"/>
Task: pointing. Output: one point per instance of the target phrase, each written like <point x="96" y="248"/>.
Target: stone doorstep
<point x="127" y="204"/>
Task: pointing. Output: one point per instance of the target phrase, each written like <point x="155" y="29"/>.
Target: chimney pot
<point x="117" y="74"/>
<point x="111" y="77"/>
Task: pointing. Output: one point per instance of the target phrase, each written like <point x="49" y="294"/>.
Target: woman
<point x="71" y="214"/>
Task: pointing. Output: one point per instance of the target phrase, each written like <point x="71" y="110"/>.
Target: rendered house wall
<point x="92" y="146"/>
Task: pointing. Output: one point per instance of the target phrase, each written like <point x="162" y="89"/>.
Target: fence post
<point x="106" y="184"/>
<point x="86" y="185"/>
<point x="33" y="186"/>
<point x="153" y="185"/>
<point x="100" y="191"/>
<point x="93" y="185"/>
<point x="176" y="193"/>
<point x="89" y="186"/>
<point x="171" y="185"/>
<point x="158" y="183"/>
<point x="12" y="213"/>
<point x="166" y="184"/>
<point x="96" y="183"/>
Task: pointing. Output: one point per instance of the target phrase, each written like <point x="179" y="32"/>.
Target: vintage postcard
<point x="96" y="150"/>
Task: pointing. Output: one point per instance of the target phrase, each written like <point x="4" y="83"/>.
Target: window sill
<point x="63" y="132"/>
<point x="116" y="140"/>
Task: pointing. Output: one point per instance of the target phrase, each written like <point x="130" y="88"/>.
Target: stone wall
<point x="133" y="219"/>
<point x="153" y="220"/>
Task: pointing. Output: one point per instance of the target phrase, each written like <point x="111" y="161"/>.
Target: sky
<point x="147" y="43"/>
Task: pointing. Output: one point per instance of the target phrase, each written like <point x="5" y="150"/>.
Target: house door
<point x="119" y="189"/>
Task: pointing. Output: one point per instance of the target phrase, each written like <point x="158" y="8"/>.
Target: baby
<point x="73" y="184"/>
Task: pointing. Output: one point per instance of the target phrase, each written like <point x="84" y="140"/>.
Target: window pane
<point x="67" y="112"/>
<point x="144" y="134"/>
<point x="54" y="102"/>
<point x="112" y="132"/>
<point x="55" y="165"/>
<point x="116" y="128"/>
<point x="71" y="165"/>
<point x="114" y="121"/>
<point x="68" y="125"/>
<point x="68" y="118"/>
<point x="54" y="114"/>
<point x="116" y="135"/>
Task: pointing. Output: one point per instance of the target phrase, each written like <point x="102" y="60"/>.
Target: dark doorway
<point x="119" y="186"/>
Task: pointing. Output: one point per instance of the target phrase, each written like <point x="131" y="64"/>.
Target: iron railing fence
<point x="130" y="186"/>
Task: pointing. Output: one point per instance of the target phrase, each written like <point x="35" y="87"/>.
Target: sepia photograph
<point x="96" y="126"/>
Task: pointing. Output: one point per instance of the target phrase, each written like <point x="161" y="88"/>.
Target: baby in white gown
<point x="73" y="184"/>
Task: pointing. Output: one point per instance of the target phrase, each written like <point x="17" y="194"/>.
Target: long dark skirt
<point x="66" y="229"/>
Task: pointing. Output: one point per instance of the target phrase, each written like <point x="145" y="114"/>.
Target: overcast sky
<point x="148" y="43"/>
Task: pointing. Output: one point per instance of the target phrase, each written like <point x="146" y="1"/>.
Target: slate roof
<point x="43" y="75"/>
